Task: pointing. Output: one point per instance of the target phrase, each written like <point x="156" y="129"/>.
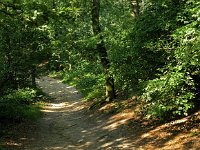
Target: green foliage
<point x="88" y="79"/>
<point x="158" y="49"/>
<point x="24" y="41"/>
<point x="19" y="104"/>
<point x="136" y="45"/>
<point x="171" y="94"/>
<point x="174" y="92"/>
<point x="21" y="95"/>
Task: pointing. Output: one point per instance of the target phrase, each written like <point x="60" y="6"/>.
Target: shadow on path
<point x="68" y="125"/>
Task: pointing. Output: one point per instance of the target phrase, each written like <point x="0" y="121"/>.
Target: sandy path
<point x="67" y="125"/>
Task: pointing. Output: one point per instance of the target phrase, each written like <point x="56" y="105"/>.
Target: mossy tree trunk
<point x="110" y="90"/>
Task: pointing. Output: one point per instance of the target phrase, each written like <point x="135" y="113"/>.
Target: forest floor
<point x="68" y="124"/>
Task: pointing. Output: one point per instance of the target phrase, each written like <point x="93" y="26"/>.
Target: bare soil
<point x="68" y="124"/>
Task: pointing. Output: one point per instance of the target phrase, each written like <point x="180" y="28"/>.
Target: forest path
<point x="68" y="125"/>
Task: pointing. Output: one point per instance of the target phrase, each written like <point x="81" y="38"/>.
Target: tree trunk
<point x="33" y="76"/>
<point x="110" y="91"/>
<point x="135" y="7"/>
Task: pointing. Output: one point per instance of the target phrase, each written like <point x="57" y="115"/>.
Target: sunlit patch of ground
<point x="13" y="143"/>
<point x="181" y="134"/>
<point x="123" y="112"/>
<point x="51" y="107"/>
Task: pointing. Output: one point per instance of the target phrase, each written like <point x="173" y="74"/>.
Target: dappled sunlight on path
<point x="67" y="124"/>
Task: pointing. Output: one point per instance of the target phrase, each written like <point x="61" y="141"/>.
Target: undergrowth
<point x="20" y="104"/>
<point x="87" y="77"/>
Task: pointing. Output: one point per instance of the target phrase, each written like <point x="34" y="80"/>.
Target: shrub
<point x="174" y="91"/>
<point x="170" y="95"/>
<point x="19" y="104"/>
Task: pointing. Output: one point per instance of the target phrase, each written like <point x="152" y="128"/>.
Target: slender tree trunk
<point x="110" y="91"/>
<point x="33" y="76"/>
<point x="135" y="6"/>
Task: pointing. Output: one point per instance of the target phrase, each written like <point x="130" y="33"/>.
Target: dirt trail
<point x="67" y="125"/>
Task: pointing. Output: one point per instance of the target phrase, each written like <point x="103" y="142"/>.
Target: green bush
<point x="174" y="92"/>
<point x="170" y="95"/>
<point x="19" y="104"/>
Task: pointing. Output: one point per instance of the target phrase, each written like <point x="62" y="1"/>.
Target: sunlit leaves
<point x="174" y="92"/>
<point x="24" y="38"/>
